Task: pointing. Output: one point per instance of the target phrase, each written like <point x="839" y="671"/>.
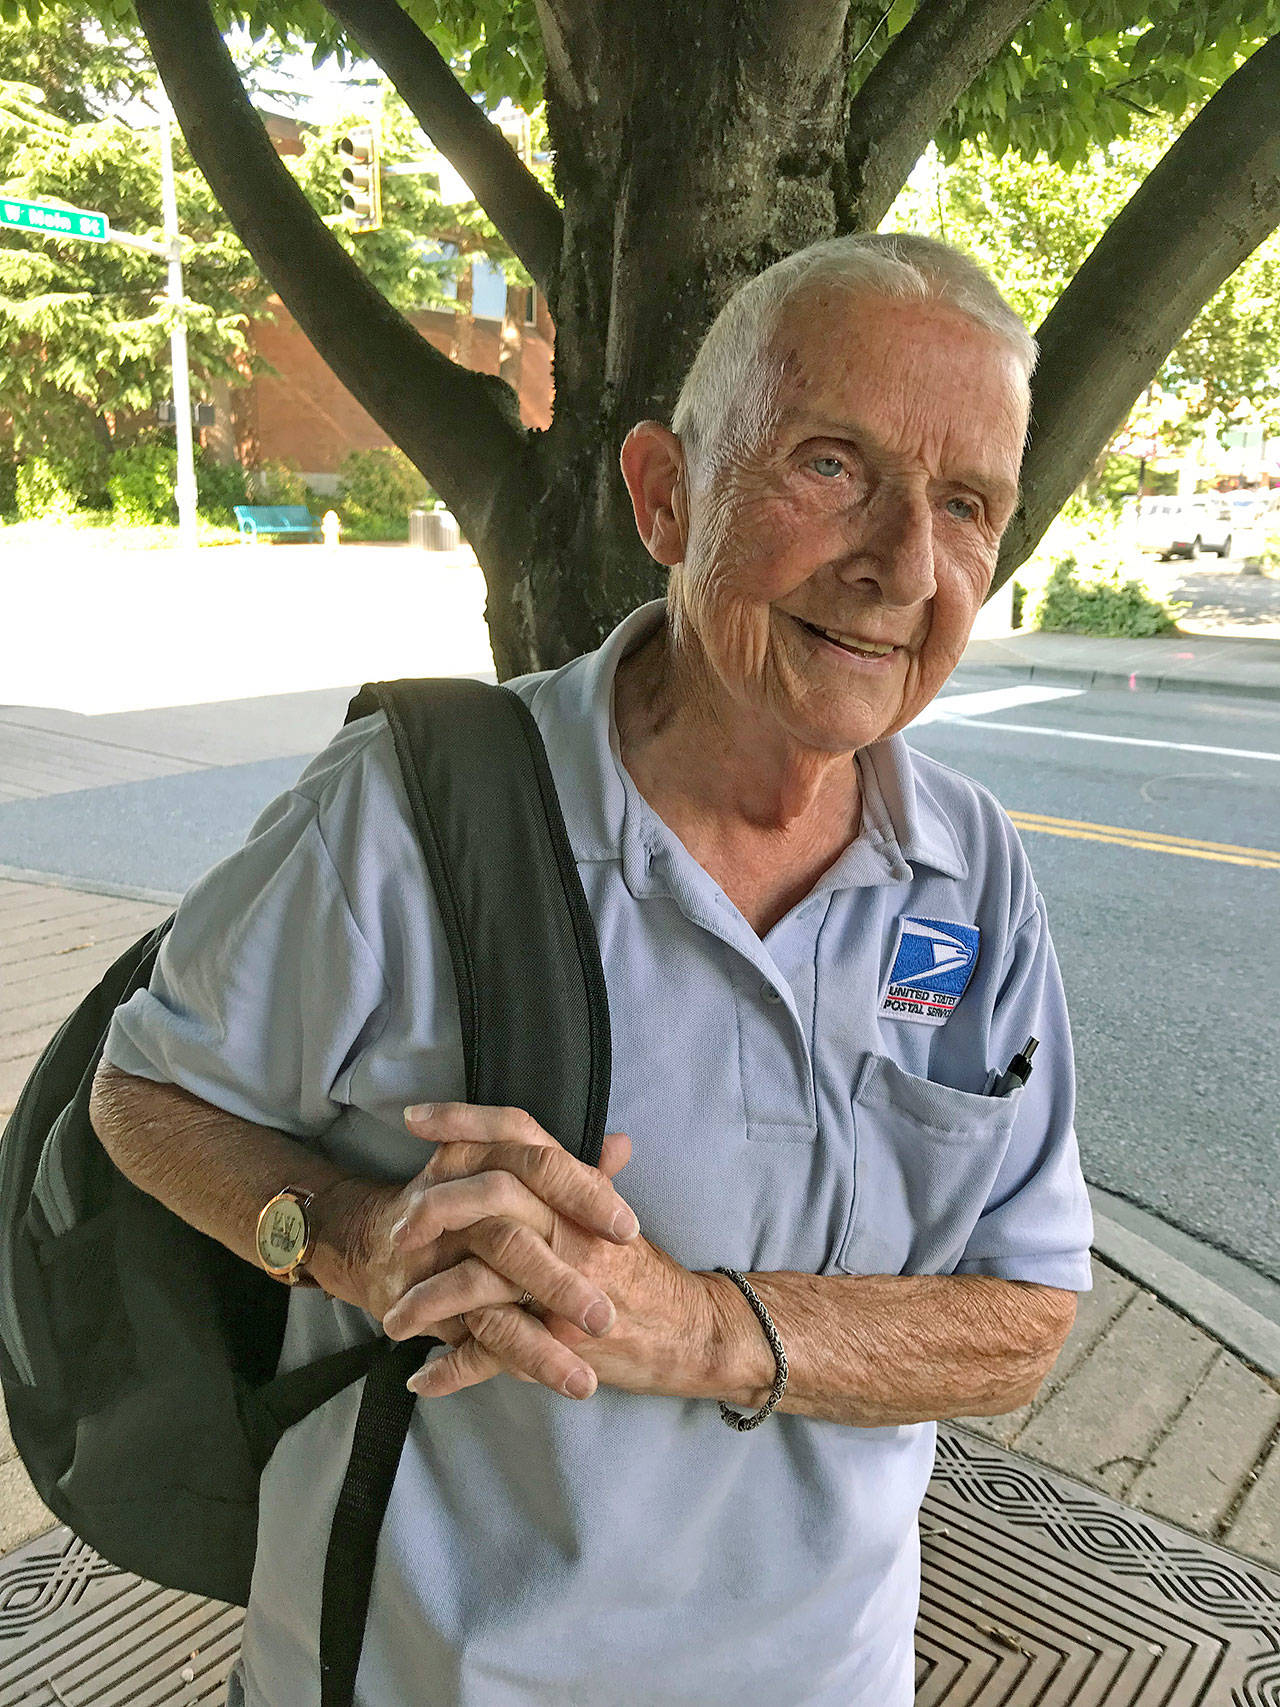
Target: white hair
<point x="729" y="396"/>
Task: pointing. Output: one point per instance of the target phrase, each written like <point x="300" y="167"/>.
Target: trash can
<point x="433" y="530"/>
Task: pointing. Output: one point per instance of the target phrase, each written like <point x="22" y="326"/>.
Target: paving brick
<point x="64" y="957"/>
<point x="1095" y="1312"/>
<point x="39" y="931"/>
<point x="1255" y="1529"/>
<point x="1102" y="1423"/>
<point x="1198" y="1468"/>
<point x="25" y="1046"/>
<point x="23" y="1514"/>
<point x="55" y="944"/>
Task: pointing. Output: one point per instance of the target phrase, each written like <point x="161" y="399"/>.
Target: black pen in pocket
<point x="1015" y="1074"/>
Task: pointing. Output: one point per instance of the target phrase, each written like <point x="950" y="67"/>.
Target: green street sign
<point x="54" y="221"/>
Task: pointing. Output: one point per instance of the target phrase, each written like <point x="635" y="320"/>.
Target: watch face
<point x="282" y="1234"/>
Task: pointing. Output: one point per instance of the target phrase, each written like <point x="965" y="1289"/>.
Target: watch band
<point x="292" y="1272"/>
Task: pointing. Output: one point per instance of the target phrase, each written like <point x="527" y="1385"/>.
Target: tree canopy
<point x="694" y="142"/>
<point x="84" y="327"/>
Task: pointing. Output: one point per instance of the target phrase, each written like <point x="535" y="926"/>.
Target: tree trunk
<point x="464" y="324"/>
<point x="693" y="149"/>
<point x="220" y="439"/>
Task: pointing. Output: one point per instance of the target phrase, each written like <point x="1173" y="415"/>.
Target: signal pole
<point x="185" y="486"/>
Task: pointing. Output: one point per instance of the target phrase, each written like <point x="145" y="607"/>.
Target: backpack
<point x="137" y="1355"/>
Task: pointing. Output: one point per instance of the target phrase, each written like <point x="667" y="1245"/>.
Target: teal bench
<point x="259" y="520"/>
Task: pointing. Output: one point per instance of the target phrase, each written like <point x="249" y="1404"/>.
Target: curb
<point x="1063" y="675"/>
<point x="1234" y="1303"/>
<point x="89" y="885"/>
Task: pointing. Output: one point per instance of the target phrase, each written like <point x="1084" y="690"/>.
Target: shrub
<point x="376" y="491"/>
<point x="221" y="486"/>
<point x="83" y="468"/>
<point x="280" y="483"/>
<point x="40" y="492"/>
<point x="141" y="484"/>
<point x="1106" y="605"/>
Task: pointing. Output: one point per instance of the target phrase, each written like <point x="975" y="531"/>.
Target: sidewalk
<point x="1192" y="663"/>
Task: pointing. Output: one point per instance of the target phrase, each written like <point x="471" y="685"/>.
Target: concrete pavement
<point x="1230" y="640"/>
<point x="1145" y="1403"/>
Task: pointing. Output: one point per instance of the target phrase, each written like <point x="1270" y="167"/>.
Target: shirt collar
<point x="604" y="812"/>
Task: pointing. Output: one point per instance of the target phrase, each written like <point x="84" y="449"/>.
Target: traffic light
<point x="361" y="178"/>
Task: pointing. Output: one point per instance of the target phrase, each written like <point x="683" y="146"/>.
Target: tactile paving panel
<point x="1035" y="1592"/>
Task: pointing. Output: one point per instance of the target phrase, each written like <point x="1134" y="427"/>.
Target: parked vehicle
<point x="1184" y="527"/>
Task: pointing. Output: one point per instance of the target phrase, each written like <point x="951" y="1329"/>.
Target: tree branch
<point x="462" y="429"/>
<point x="910" y="90"/>
<point x="1207" y="205"/>
<point x="507" y="191"/>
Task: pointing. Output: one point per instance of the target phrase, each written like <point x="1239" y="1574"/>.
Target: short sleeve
<point x="264" y="990"/>
<point x="1037" y="1223"/>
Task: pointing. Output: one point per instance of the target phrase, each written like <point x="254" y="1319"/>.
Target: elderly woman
<point x="821" y="949"/>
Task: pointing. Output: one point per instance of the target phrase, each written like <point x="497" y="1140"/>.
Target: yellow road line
<point x="1148" y="841"/>
<point x="1042" y="818"/>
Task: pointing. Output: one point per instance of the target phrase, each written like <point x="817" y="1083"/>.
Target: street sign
<point x="54" y="221"/>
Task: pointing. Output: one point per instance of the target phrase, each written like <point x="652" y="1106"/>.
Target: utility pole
<point x="185" y="488"/>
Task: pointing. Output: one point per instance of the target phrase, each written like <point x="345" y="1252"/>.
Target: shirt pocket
<point x="925" y="1160"/>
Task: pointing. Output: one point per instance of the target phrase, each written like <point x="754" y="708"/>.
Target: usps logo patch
<point x="932" y="965"/>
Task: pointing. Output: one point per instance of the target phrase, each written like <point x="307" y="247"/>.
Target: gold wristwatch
<point x="285" y="1238"/>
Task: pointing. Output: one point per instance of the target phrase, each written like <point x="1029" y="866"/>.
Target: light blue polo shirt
<point x="811" y="1101"/>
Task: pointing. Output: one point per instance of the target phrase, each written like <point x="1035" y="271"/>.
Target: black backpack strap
<point x="535" y="1028"/>
<point x="382" y="1422"/>
<point x="284" y="1400"/>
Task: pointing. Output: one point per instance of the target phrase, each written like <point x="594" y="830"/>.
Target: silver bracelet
<point x="736" y="1419"/>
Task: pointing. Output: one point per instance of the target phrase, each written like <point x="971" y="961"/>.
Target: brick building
<point x="300" y="413"/>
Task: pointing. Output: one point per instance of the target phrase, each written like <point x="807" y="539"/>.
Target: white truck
<point x="1184" y="527"/>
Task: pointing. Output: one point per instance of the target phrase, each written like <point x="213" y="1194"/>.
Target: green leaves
<point x="404" y="258"/>
<point x="1069" y="82"/>
<point x="1032" y="228"/>
<point x="84" y="326"/>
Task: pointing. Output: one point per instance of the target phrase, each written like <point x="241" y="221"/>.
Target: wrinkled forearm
<point x="880" y="1350"/>
<point x="217" y="1171"/>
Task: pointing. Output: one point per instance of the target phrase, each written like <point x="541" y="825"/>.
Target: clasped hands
<point x="502" y="1208"/>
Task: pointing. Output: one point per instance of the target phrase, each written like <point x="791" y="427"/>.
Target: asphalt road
<point x="1167" y="951"/>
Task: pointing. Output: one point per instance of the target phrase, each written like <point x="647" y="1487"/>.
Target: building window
<point x="488" y="291"/>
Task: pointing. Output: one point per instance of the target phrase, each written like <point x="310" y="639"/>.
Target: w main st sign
<point x="53" y="221"/>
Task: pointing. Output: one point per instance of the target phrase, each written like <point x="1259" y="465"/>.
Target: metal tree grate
<point x="1038" y="1592"/>
<point x="1035" y="1592"/>
<point x="76" y="1632"/>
